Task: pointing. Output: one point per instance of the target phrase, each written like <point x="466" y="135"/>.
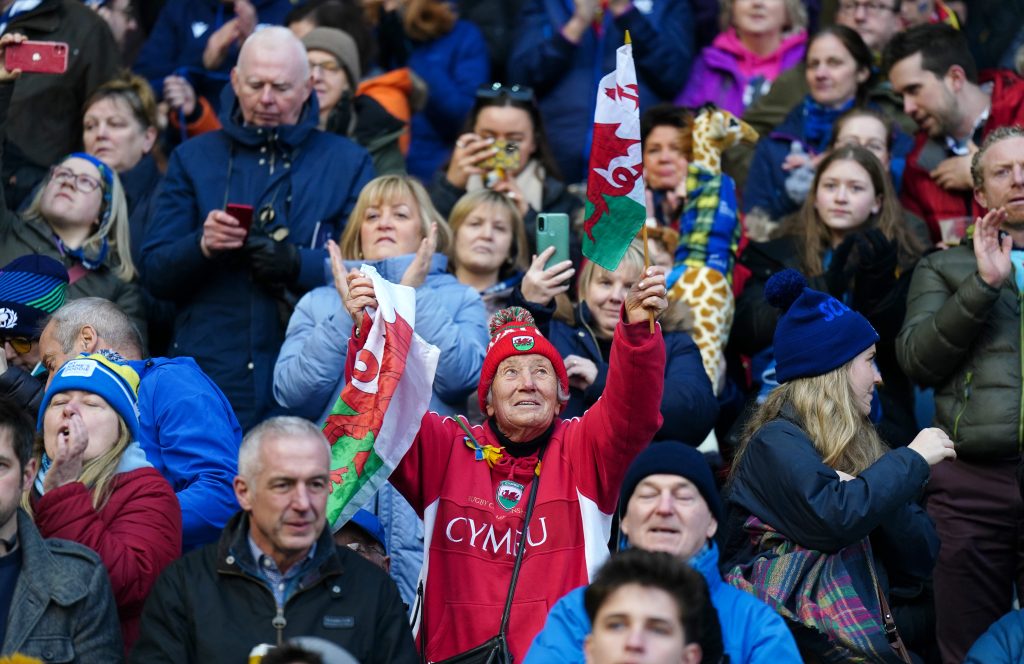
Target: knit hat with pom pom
<point x="514" y="332"/>
<point x="816" y="332"/>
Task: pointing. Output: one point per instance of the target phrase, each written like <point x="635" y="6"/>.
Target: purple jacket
<point x="719" y="77"/>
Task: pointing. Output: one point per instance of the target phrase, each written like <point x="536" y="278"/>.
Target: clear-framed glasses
<point x="871" y="7"/>
<point x="326" y="66"/>
<point x="83" y="182"/>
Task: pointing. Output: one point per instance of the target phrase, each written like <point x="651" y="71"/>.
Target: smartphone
<point x="553" y="231"/>
<point x="931" y="155"/>
<point x="243" y="213"/>
<point x="40" y="57"/>
<point x="507" y="158"/>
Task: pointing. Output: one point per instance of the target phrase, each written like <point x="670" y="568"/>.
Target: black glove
<point x="841" y="270"/>
<point x="876" y="266"/>
<point x="272" y="262"/>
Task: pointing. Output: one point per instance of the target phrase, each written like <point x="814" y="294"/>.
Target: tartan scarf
<point x="709" y="233"/>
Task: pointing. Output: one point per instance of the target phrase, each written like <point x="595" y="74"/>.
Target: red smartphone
<point x="243" y="213"/>
<point x="40" y="57"/>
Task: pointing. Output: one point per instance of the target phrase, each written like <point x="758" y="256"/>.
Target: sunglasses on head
<point x="495" y="90"/>
<point x="21" y="345"/>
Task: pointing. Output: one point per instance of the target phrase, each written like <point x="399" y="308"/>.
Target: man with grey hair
<point x="961" y="336"/>
<point x="187" y="427"/>
<point x="276" y="573"/>
<point x="241" y="222"/>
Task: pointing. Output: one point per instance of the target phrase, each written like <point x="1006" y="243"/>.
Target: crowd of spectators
<point x="186" y="208"/>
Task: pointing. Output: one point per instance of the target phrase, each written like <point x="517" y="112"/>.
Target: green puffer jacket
<point x="963" y="337"/>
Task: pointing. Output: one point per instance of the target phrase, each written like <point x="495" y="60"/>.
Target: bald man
<point x="240" y="224"/>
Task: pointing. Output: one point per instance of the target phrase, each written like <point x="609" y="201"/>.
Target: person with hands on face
<point x="666" y="132"/>
<point x="584" y="338"/>
<point x="94" y="485"/>
<point x="813" y="480"/>
<point x="463" y="478"/>
<point x="961" y="336"/>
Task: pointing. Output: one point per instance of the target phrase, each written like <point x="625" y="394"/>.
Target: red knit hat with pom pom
<point x="514" y="332"/>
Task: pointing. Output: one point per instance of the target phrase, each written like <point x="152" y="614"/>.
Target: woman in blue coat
<point x="823" y="519"/>
<point x="584" y="337"/>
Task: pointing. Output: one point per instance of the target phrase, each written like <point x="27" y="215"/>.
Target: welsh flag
<point x="375" y="419"/>
<point x="615" y="210"/>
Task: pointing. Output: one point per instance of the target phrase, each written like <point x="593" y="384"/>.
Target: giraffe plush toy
<point x="709" y="236"/>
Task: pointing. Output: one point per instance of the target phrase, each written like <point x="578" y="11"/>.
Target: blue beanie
<point x="31" y="288"/>
<point x="105" y="373"/>
<point x="672" y="459"/>
<point x="816" y="332"/>
<point x="370" y="524"/>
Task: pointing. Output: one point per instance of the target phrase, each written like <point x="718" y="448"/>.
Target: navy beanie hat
<point x="31" y="288"/>
<point x="816" y="332"/>
<point x="672" y="459"/>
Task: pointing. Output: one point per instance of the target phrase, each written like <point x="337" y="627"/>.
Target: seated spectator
<point x="78" y="217"/>
<point x="758" y="41"/>
<point x="527" y="172"/>
<point x="31" y="288"/>
<point x="186" y="426"/>
<point x="645" y="605"/>
<point x="395" y="229"/>
<point x="275" y="574"/>
<point x="489" y="247"/>
<point x="54" y="594"/>
<point x="669" y="504"/>
<point x="450" y="472"/>
<point x="584" y="339"/>
<point x="94" y="485"/>
<point x="449" y="55"/>
<point x="561" y="49"/>
<point x="667" y="135"/>
<point x="932" y="68"/>
<point x="852" y="241"/>
<point x="813" y="487"/>
<point x="233" y="286"/>
<point x="839" y="75"/>
<point x="364" y="535"/>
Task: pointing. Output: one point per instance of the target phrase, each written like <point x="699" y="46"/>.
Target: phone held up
<point x="39" y="57"/>
<point x="552" y="230"/>
<point x="243" y="213"/>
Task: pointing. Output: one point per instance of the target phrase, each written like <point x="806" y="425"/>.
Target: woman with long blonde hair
<point x="94" y="485"/>
<point x="822" y="515"/>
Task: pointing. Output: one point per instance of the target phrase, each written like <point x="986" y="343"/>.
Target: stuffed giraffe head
<point x="715" y="130"/>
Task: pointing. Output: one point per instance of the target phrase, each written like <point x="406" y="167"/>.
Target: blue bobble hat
<point x="816" y="332"/>
<point x="105" y="373"/>
<point x="31" y="288"/>
<point x="672" y="459"/>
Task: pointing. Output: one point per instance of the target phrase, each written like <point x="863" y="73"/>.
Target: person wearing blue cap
<point x="823" y="518"/>
<point x="94" y="485"/>
<point x="365" y="535"/>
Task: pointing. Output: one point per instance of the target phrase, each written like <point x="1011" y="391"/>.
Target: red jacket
<point x="921" y="195"/>
<point x="136" y="534"/>
<point x="471" y="538"/>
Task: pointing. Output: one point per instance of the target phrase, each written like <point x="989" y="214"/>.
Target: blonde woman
<point x="94" y="484"/>
<point x="816" y="495"/>
<point x="583" y="336"/>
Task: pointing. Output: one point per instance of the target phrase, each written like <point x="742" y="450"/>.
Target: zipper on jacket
<point x="279" y="622"/>
<point x="967" y="396"/>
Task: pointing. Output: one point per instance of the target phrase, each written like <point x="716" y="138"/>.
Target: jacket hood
<point x="727" y="46"/>
<point x="290" y="135"/>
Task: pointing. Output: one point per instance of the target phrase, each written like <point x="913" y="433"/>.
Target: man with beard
<point x="962" y="336"/>
<point x="955" y="109"/>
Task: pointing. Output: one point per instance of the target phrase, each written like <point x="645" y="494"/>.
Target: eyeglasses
<point x="851" y="7"/>
<point x="495" y="90"/>
<point x="363" y="549"/>
<point x="21" y="345"/>
<point x="329" y="66"/>
<point x="83" y="183"/>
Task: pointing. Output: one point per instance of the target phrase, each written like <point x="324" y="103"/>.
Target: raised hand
<point x="541" y="285"/>
<point x="470" y="150"/>
<point x="5" y="41"/>
<point x="581" y="372"/>
<point x="69" y="455"/>
<point x="416" y="273"/>
<point x="219" y="43"/>
<point x="648" y="295"/>
<point x="991" y="253"/>
<point x="180" y="94"/>
<point x="934" y="445"/>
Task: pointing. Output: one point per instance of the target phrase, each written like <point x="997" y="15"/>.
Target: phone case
<point x="243" y="213"/>
<point x="553" y="231"/>
<point x="507" y="157"/>
<point x="39" y="57"/>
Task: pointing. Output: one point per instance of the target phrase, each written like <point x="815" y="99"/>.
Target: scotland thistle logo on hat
<point x="31" y="288"/>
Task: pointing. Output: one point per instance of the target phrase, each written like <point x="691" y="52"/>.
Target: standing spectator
<point x="94" y="485"/>
<point x="186" y="426"/>
<point x="962" y="337"/>
<point x="669" y="504"/>
<point x="275" y="574"/>
<point x="955" y="109"/>
<point x="815" y="495"/>
<point x="120" y="18"/>
<point x="667" y="135"/>
<point x="759" y="40"/>
<point x="562" y="49"/>
<point x="51" y="591"/>
<point x="229" y="283"/>
<point x="44" y="124"/>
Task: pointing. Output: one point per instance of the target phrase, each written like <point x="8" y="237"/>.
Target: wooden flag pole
<point x="647" y="264"/>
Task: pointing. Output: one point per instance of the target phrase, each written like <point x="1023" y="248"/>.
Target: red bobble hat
<point x="514" y="332"/>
